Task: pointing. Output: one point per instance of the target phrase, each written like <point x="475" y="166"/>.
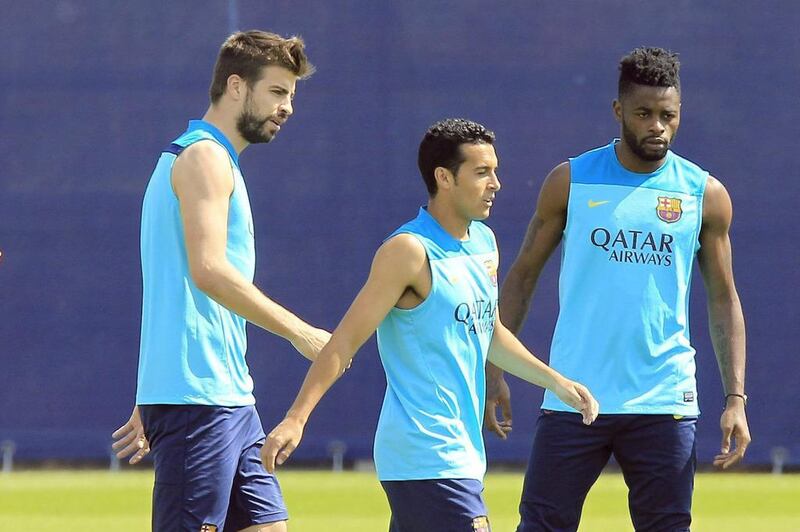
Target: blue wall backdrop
<point x="91" y="91"/>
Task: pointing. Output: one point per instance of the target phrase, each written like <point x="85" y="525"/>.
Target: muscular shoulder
<point x="402" y="248"/>
<point x="717" y="207"/>
<point x="203" y="152"/>
<point x="204" y="164"/>
<point x="559" y="175"/>
<point x="554" y="195"/>
<point x="714" y="188"/>
<point x="400" y="260"/>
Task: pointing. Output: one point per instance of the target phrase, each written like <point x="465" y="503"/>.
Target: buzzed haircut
<point x="245" y="53"/>
<point x="655" y="67"/>
<point x="441" y="146"/>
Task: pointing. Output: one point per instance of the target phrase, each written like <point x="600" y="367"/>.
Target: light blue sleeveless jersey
<point x="627" y="254"/>
<point x="434" y="356"/>
<point x="192" y="348"/>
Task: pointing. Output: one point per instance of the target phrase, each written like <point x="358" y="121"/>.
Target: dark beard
<point x="638" y="148"/>
<point x="251" y="127"/>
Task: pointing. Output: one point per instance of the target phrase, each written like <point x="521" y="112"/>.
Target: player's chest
<point x="638" y="212"/>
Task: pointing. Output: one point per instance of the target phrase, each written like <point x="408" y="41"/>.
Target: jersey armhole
<point x="569" y="202"/>
<point x="176" y="149"/>
<point x="700" y="206"/>
<point x="424" y="303"/>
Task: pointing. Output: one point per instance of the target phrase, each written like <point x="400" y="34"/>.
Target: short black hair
<point x="655" y="67"/>
<point x="441" y="146"/>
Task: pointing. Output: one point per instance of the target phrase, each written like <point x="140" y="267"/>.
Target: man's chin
<point x="656" y="156"/>
<point x="259" y="133"/>
<point x="483" y="214"/>
<point x="259" y="139"/>
<point x="652" y="155"/>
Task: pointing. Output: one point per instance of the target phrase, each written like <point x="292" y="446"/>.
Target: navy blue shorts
<point x="655" y="452"/>
<point x="208" y="469"/>
<point x="443" y="505"/>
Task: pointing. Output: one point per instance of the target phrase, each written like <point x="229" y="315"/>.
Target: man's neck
<point x="226" y="123"/>
<point x="455" y="225"/>
<point x="634" y="163"/>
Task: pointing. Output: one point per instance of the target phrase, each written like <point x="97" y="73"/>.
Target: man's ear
<point x="236" y="87"/>
<point x="444" y="178"/>
<point x="616" y="108"/>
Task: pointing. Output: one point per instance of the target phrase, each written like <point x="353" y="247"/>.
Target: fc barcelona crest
<point x="491" y="271"/>
<point x="669" y="209"/>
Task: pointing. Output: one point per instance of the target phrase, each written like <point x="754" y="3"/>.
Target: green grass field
<point x="89" y="501"/>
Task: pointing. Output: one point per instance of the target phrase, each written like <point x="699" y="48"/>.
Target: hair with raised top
<point x="246" y="53"/>
<point x="655" y="67"/>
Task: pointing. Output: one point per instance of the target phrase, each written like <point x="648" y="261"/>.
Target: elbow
<point x="339" y="354"/>
<point x="204" y="276"/>
<point x="520" y="279"/>
<point x="724" y="299"/>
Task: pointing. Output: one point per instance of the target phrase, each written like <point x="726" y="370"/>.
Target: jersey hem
<point x="654" y="410"/>
<point x="448" y="476"/>
<point x="195" y="400"/>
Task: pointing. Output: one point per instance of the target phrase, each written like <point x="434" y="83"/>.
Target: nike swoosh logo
<point x="593" y="204"/>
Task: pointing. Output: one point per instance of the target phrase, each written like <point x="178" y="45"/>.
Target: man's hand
<point x="311" y="341"/>
<point x="497" y="395"/>
<point x="578" y="397"/>
<point x="281" y="442"/>
<point x="130" y="439"/>
<point x="734" y="427"/>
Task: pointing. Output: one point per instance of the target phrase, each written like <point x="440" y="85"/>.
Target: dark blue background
<point x="91" y="91"/>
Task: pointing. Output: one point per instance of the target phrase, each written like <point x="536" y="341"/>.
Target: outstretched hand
<point x="734" y="431"/>
<point x="280" y="443"/>
<point x="130" y="439"/>
<point x="578" y="397"/>
<point x="497" y="395"/>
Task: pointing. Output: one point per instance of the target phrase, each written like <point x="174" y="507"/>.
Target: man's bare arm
<point x="725" y="318"/>
<point x="400" y="263"/>
<point x="508" y="353"/>
<point x="542" y="237"/>
<point x="203" y="182"/>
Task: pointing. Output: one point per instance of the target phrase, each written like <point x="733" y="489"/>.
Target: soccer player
<point x="632" y="216"/>
<point x="194" y="400"/>
<point x="432" y="296"/>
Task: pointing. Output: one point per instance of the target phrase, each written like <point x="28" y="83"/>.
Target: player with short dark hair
<point x="441" y="147"/>
<point x="651" y="67"/>
<point x="631" y="217"/>
<point x="194" y="401"/>
<point x="432" y="296"/>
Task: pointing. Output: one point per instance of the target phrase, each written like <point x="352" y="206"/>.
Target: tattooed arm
<point x="725" y="318"/>
<point x="543" y="235"/>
